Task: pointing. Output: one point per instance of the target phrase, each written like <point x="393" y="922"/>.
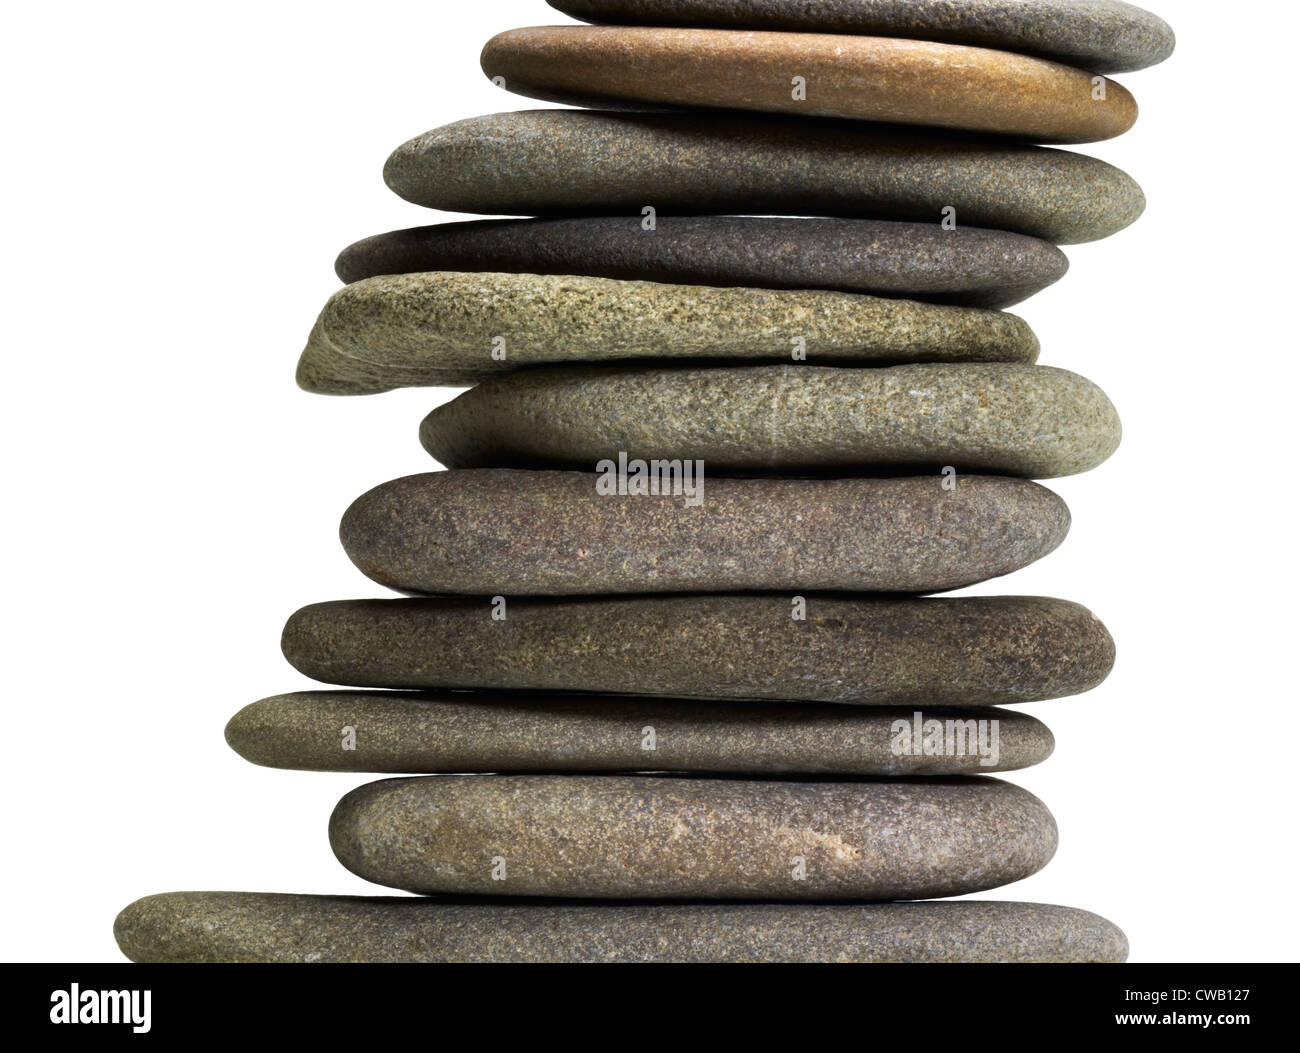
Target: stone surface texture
<point x="274" y="927"/>
<point x="881" y="79"/>
<point x="668" y="837"/>
<point x="540" y="533"/>
<point x="858" y="650"/>
<point x="918" y="261"/>
<point x="402" y="733"/>
<point x="411" y="330"/>
<point x="1025" y="420"/>
<point x="540" y="162"/>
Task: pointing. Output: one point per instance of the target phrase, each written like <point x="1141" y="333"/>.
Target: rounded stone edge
<point x="347" y="827"/>
<point x="241" y="732"/>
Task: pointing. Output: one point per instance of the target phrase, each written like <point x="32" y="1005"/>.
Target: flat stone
<point x="422" y="329"/>
<point x="1034" y="421"/>
<point x="542" y="162"/>
<point x="497" y="731"/>
<point x="668" y="837"/>
<point x="540" y="533"/>
<point x="916" y="261"/>
<point x="1104" y="36"/>
<point x="861" y="650"/>
<point x="912" y="82"/>
<point x="270" y="927"/>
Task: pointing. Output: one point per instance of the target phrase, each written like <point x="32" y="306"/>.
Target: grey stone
<point x="419" y="329"/>
<point x="667" y="837"/>
<point x="865" y="651"/>
<point x="851" y="77"/>
<point x="916" y="261"/>
<point x="541" y="162"/>
<point x="1034" y="421"/>
<point x="1104" y="36"/>
<point x="493" y="731"/>
<point x="270" y="927"/>
<point x="539" y="533"/>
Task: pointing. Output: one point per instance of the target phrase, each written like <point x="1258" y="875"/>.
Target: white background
<point x="177" y="181"/>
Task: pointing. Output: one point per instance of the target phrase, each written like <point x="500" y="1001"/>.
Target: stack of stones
<point x="664" y="670"/>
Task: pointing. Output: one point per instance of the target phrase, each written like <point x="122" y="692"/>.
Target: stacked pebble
<point x="713" y="719"/>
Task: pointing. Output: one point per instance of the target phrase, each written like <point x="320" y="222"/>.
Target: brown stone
<point x="884" y="79"/>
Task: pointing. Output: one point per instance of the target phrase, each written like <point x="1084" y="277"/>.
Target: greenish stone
<point x="457" y="328"/>
<point x="1025" y="420"/>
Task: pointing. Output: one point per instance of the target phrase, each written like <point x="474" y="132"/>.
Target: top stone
<point x="859" y="78"/>
<point x="1104" y="36"/>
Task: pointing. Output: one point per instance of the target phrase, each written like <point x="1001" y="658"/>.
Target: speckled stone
<point x="669" y="837"/>
<point x="422" y="329"/>
<point x="1104" y="36"/>
<point x="1034" y="421"/>
<point x="542" y="162"/>
<point x="912" y="82"/>
<point x="396" y="733"/>
<point x="861" y="650"/>
<point x="917" y="261"/>
<point x="271" y="927"/>
<point x="539" y="533"/>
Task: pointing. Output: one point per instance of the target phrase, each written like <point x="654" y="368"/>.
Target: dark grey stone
<point x="916" y="261"/>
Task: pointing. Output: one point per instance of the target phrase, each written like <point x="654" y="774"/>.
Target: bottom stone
<point x="269" y="927"/>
